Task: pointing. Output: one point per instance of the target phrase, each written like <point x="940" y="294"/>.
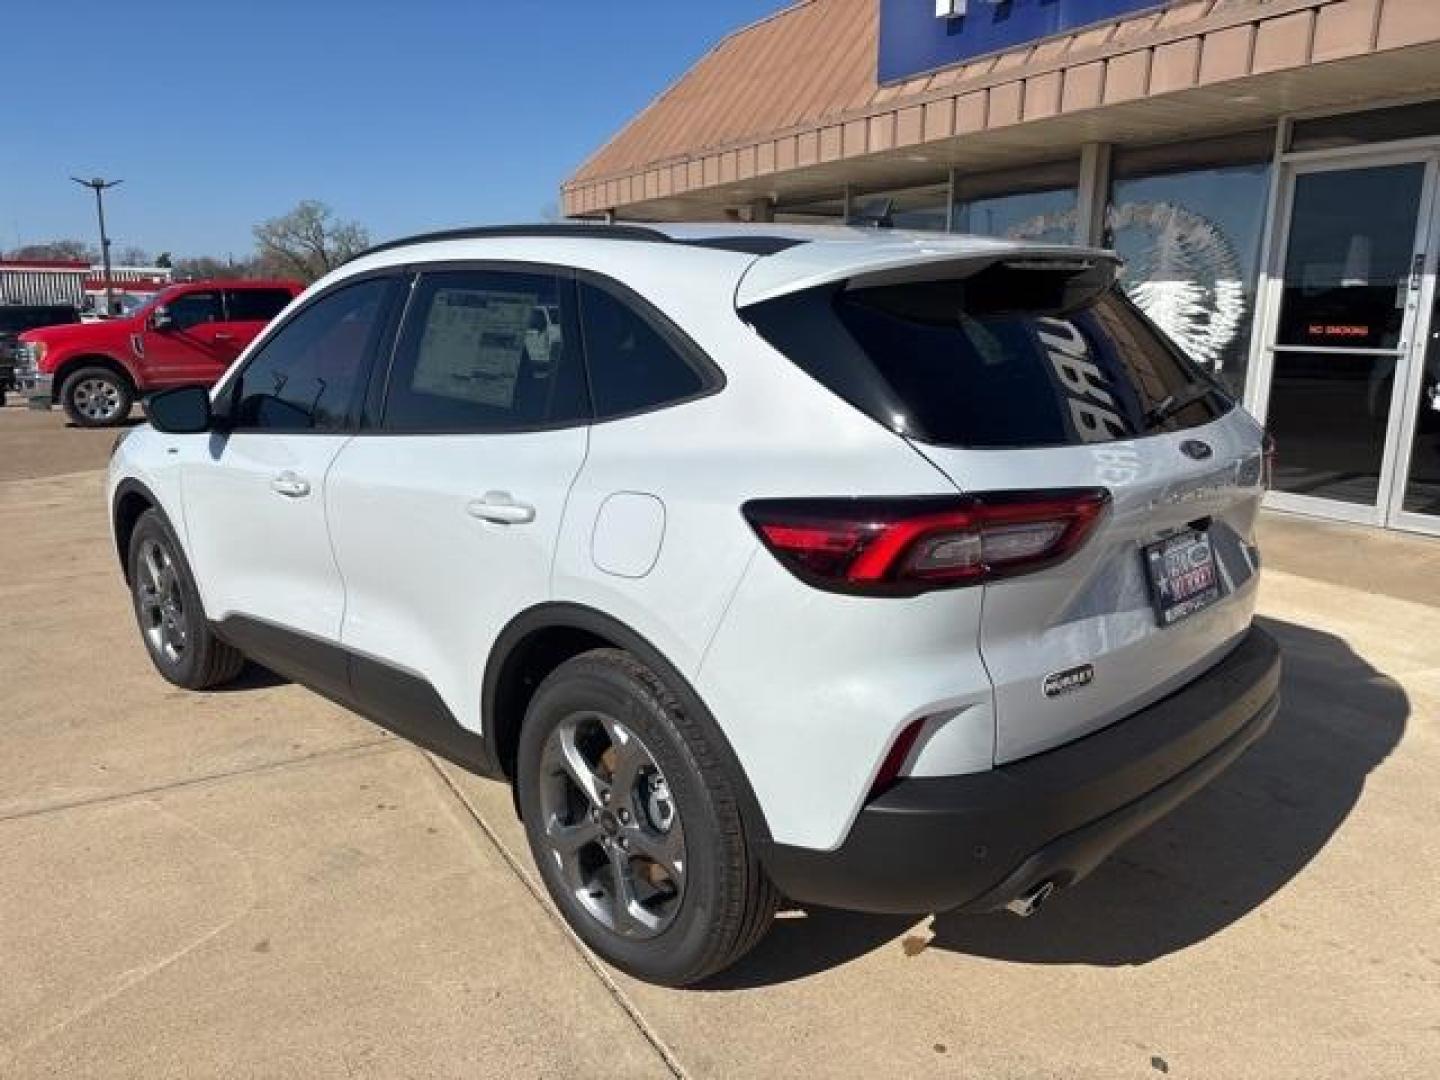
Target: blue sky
<point x="404" y="115"/>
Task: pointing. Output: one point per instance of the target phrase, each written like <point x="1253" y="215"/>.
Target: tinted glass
<point x="957" y="363"/>
<point x="1328" y="414"/>
<point x="1191" y="243"/>
<point x="16" y="320"/>
<point x="305" y="378"/>
<point x="255" y="305"/>
<point x="1374" y="125"/>
<point x="485" y="351"/>
<point x="632" y="367"/>
<point x="1348" y="265"/>
<point x="193" y="309"/>
<point x="1046" y="216"/>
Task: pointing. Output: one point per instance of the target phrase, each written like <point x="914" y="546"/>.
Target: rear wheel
<point x="634" y="824"/>
<point x="167" y="607"/>
<point x="97" y="397"/>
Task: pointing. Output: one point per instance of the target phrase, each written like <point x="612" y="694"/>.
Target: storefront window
<point x="1047" y="216"/>
<point x="922" y="208"/>
<point x="1037" y="203"/>
<point x="1191" y="242"/>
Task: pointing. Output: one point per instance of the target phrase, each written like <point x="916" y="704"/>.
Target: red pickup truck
<point x="187" y="335"/>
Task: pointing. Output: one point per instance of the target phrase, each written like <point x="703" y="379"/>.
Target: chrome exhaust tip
<point x="1027" y="904"/>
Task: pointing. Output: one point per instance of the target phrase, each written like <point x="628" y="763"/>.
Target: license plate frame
<point x="1182" y="575"/>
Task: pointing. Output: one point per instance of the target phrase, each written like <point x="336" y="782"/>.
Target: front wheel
<point x="97" y="397"/>
<point x="633" y="821"/>
<point x="172" y="621"/>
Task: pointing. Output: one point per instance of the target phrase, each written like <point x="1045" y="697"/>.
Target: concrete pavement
<point x="255" y="882"/>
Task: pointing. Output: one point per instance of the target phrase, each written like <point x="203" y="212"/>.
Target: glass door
<point x="1415" y="503"/>
<point x="1341" y="330"/>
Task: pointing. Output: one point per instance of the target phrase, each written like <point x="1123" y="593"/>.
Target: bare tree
<point x="205" y="267"/>
<point x="73" y="250"/>
<point x="308" y="242"/>
<point x="134" y="256"/>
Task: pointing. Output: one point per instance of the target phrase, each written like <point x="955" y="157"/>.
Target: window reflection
<point x="1046" y="216"/>
<point x="1191" y="244"/>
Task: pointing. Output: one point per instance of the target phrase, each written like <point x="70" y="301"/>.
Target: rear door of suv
<point x="444" y="510"/>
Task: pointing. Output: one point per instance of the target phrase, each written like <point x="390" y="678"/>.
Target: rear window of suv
<point x="1008" y="360"/>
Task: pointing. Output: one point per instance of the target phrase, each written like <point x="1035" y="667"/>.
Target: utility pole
<point x="98" y="185"/>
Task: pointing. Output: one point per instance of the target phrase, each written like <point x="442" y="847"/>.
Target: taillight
<point x="906" y="546"/>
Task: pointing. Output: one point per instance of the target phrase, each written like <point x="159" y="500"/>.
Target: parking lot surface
<point x="257" y="882"/>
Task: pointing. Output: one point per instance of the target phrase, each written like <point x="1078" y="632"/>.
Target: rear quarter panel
<point x="810" y="688"/>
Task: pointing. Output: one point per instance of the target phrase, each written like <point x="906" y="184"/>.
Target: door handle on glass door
<point x="502" y="509"/>
<point x="287" y="483"/>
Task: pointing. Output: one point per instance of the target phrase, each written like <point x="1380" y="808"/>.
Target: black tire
<point x="97" y="397"/>
<point x="192" y="657"/>
<point x="726" y="903"/>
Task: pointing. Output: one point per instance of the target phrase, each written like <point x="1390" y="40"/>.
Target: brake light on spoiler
<point x="907" y="546"/>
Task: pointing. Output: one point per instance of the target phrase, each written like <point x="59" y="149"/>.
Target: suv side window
<point x="307" y="376"/>
<point x="632" y="366"/>
<point x="255" y="305"/>
<point x="480" y="353"/>
<point x="194" y="308"/>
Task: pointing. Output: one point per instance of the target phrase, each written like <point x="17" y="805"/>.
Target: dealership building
<point x="1267" y="168"/>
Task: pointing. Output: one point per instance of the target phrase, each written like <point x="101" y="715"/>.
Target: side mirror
<point x="185" y="410"/>
<point x="160" y="318"/>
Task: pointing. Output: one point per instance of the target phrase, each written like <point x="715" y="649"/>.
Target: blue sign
<point x="913" y="39"/>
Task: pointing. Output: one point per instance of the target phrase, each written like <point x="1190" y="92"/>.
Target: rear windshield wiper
<point x="1175" y="402"/>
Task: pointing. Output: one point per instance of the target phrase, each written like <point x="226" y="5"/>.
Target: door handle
<point x="287" y="483"/>
<point x="499" y="507"/>
<point x="220" y="335"/>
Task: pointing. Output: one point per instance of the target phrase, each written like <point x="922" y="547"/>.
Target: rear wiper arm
<point x="1175" y="402"/>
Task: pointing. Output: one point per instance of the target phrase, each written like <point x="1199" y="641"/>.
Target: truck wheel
<point x="167" y="606"/>
<point x="96" y="397"/>
<point x="634" y="823"/>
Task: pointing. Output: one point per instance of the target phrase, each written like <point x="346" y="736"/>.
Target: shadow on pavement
<point x="251" y="677"/>
<point x="134" y="420"/>
<point x="1214" y="860"/>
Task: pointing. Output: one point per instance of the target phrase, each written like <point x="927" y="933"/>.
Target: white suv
<point x="886" y="571"/>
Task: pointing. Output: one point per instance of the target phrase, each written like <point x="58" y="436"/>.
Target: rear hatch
<point x="1025" y="370"/>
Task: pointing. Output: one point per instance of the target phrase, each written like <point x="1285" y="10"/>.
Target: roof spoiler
<point x="868" y="262"/>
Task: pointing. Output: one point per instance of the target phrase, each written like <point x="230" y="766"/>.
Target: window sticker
<point x="474" y="345"/>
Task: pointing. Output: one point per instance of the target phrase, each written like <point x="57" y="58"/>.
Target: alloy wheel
<point x="162" y="607"/>
<point x="97" y="399"/>
<point x="611" y="825"/>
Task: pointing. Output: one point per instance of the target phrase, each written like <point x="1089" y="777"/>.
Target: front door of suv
<point x="255" y="493"/>
<point x="445" y="514"/>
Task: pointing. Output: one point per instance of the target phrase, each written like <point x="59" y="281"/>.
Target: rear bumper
<point x="979" y="841"/>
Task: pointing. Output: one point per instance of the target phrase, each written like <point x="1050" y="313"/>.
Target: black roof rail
<point x="598" y="230"/>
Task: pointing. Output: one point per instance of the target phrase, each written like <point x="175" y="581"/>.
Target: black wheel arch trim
<point x="566" y="615"/>
<point x="128" y="487"/>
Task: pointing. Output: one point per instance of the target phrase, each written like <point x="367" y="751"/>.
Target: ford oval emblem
<point x="1196" y="449"/>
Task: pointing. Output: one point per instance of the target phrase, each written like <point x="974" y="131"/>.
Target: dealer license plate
<point x="1182" y="574"/>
